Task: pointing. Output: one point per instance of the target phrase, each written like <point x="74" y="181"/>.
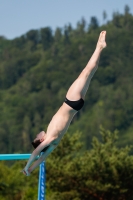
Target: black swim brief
<point x="76" y="105"/>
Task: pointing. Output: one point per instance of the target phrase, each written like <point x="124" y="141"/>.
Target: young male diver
<point x="74" y="101"/>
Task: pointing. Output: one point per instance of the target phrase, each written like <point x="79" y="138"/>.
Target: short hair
<point x="37" y="143"/>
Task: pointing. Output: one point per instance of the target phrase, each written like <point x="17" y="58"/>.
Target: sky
<point x="20" y="16"/>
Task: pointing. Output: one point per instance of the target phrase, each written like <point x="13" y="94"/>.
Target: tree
<point x="93" y="23"/>
<point x="116" y="19"/>
<point x="16" y="186"/>
<point x="104" y="172"/>
<point x="46" y="37"/>
<point x="26" y="134"/>
<point x="58" y="35"/>
<point x="19" y="42"/>
<point x="81" y="26"/>
<point x="33" y="35"/>
<point x="66" y="35"/>
<point x="37" y="124"/>
<point x="104" y="15"/>
<point x="126" y="9"/>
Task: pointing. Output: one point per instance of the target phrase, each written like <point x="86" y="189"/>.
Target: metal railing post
<point x="42" y="180"/>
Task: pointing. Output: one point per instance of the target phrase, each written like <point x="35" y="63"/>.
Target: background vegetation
<point x="36" y="70"/>
<point x="105" y="172"/>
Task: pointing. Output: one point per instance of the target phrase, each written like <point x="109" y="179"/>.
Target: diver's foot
<point x="101" y="44"/>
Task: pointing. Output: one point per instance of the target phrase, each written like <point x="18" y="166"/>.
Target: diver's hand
<point x="26" y="172"/>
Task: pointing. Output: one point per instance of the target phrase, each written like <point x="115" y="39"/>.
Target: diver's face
<point x="41" y="136"/>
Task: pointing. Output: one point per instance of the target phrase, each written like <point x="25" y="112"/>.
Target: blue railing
<point x="42" y="180"/>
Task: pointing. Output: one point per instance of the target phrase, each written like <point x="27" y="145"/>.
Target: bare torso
<point x="60" y="123"/>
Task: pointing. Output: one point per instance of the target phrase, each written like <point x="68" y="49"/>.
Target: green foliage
<point x="17" y="69"/>
<point x="93" y="23"/>
<point x="46" y="37"/>
<point x="14" y="185"/>
<point x="104" y="172"/>
<point x="37" y="69"/>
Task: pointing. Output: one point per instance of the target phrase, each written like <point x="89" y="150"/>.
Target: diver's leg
<point x="80" y="86"/>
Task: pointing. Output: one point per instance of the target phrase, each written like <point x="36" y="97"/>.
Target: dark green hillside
<point x="37" y="68"/>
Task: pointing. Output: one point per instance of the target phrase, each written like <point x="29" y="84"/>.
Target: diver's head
<point x="40" y="137"/>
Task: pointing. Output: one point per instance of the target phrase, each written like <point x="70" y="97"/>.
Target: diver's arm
<point x="41" y="158"/>
<point x="37" y="151"/>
